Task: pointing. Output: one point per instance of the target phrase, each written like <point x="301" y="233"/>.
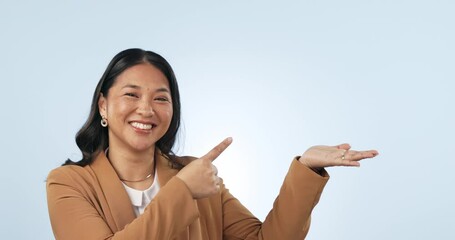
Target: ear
<point x="102" y="105"/>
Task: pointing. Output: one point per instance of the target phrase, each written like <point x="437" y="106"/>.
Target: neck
<point x="133" y="168"/>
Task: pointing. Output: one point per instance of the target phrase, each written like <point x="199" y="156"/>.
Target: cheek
<point x="169" y="114"/>
<point x="118" y="108"/>
<point x="165" y="114"/>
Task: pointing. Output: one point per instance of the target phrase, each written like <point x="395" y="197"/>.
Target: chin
<point x="140" y="147"/>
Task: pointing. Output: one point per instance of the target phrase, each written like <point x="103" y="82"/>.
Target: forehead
<point x="143" y="75"/>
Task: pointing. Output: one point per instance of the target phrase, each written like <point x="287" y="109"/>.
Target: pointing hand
<point x="200" y="175"/>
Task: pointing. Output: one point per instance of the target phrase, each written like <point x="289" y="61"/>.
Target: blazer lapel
<point x="118" y="201"/>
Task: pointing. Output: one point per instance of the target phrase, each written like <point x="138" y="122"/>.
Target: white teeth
<point x="141" y="125"/>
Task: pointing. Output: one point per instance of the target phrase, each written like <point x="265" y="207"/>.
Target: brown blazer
<point x="91" y="203"/>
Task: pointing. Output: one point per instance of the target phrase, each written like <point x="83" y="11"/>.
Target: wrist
<point x="317" y="170"/>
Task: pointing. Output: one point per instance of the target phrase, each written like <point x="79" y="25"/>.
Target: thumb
<point x="344" y="146"/>
<point x="216" y="151"/>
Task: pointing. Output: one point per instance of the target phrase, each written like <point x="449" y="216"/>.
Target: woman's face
<point x="138" y="108"/>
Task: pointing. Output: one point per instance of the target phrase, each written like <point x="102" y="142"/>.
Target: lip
<point x="143" y="122"/>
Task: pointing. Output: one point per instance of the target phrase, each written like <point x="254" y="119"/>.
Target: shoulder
<point x="185" y="160"/>
<point x="70" y="173"/>
<point x="175" y="161"/>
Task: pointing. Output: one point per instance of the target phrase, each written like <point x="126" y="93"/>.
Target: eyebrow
<point x="163" y="89"/>
<point x="131" y="86"/>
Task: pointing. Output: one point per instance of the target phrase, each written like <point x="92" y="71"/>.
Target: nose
<point x="145" y="109"/>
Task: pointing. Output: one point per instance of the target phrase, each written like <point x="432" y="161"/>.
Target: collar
<point x="139" y="197"/>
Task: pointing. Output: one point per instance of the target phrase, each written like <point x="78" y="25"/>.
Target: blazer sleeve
<point x="74" y="214"/>
<point x="290" y="216"/>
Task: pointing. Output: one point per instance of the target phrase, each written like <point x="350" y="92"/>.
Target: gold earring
<point x="103" y="121"/>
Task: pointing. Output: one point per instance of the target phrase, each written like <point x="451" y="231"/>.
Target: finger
<point x="359" y="155"/>
<point x="348" y="163"/>
<point x="217" y="182"/>
<point x="215" y="170"/>
<point x="216" y="151"/>
<point x="344" y="146"/>
<point x="343" y="158"/>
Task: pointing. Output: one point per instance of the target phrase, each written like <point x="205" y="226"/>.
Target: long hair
<point x="93" y="138"/>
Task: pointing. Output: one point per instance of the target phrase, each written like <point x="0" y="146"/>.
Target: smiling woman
<point x="138" y="111"/>
<point x="139" y="101"/>
<point x="128" y="138"/>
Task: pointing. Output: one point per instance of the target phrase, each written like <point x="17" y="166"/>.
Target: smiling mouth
<point x="143" y="126"/>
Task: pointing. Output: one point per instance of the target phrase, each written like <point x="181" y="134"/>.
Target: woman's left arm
<point x="299" y="194"/>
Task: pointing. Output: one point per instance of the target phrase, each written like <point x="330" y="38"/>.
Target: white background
<point x="277" y="76"/>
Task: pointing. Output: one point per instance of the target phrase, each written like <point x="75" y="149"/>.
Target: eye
<point x="162" y="99"/>
<point x="131" y="95"/>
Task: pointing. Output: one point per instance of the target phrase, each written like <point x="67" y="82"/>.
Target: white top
<point x="141" y="199"/>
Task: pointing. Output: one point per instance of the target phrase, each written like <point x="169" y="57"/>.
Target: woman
<point x="130" y="185"/>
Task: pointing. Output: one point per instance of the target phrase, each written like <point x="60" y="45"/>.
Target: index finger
<point x="359" y="155"/>
<point x="216" y="151"/>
